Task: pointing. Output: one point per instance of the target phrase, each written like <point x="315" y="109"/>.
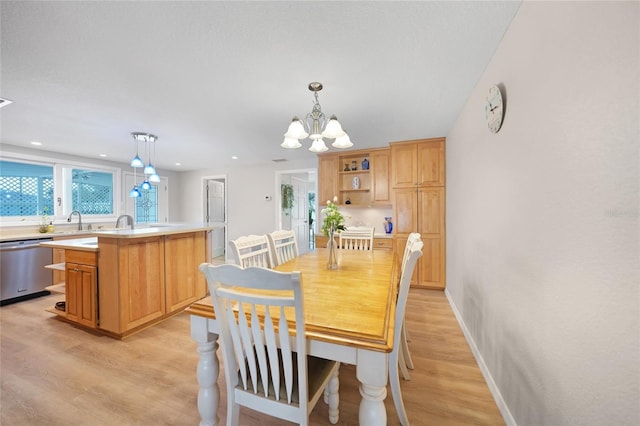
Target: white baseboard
<point x="493" y="388"/>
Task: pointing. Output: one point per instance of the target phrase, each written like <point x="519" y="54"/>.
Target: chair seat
<point x="317" y="371"/>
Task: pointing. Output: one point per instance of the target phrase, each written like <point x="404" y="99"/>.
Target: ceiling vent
<point x="279" y="160"/>
<point x="4" y="102"/>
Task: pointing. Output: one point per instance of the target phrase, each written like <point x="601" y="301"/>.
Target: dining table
<point x="349" y="317"/>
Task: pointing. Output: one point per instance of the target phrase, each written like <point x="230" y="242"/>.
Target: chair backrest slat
<point x="284" y="246"/>
<point x="252" y="251"/>
<point x="356" y="239"/>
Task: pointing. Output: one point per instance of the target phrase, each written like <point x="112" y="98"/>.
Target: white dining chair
<point x="283" y="245"/>
<point x="266" y="364"/>
<point x="415" y="252"/>
<point x="360" y="238"/>
<point x="406" y="363"/>
<point x="252" y="250"/>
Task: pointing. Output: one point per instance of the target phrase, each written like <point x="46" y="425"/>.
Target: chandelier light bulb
<point x="154" y="178"/>
<point x="318" y="145"/>
<point x="342" y="142"/>
<point x="290" y="143"/>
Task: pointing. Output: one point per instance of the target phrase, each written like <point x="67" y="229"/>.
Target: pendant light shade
<point x="149" y="171"/>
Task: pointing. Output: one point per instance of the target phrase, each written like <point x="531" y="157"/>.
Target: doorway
<point x="215" y="214"/>
<point x="300" y="217"/>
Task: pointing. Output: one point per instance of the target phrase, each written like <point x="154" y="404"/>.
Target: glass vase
<point x="331" y="245"/>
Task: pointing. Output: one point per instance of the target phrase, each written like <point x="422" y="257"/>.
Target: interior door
<point x="300" y="213"/>
<point x="215" y="214"/>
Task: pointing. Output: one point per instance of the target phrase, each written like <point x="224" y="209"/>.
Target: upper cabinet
<point x="418" y="163"/>
<point x="327" y="177"/>
<point x="357" y="178"/>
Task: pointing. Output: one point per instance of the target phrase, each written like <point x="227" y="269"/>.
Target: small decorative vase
<point x="331" y="244"/>
<point x="388" y="225"/>
<point x="355" y="183"/>
<point x="365" y="164"/>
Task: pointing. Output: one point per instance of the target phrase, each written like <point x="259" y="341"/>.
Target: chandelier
<point x="149" y="170"/>
<point x="316" y="127"/>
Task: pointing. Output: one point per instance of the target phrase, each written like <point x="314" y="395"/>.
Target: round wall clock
<point x="494" y="109"/>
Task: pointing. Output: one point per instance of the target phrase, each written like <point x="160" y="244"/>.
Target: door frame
<point x="203" y="188"/>
<point x="312" y="185"/>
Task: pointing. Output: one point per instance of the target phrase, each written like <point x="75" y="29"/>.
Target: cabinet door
<point x="405" y="209"/>
<point x="81" y="294"/>
<point x="327" y="178"/>
<point x="431" y="167"/>
<point x="404" y="165"/>
<point x="380" y="177"/>
<point x="141" y="278"/>
<point x="431" y="225"/>
<point x="184" y="283"/>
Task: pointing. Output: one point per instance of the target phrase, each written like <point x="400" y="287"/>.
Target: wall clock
<point x="494" y="109"/>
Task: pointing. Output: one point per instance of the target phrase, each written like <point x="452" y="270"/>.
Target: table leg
<point x="208" y="370"/>
<point x="372" y="372"/>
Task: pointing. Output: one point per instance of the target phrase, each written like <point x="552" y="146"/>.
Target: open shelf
<point x="56" y="288"/>
<point x="56" y="266"/>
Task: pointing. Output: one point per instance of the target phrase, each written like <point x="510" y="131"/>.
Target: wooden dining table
<point x="349" y="317"/>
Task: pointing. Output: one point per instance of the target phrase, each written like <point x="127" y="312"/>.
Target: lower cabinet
<point x="144" y="280"/>
<point x="81" y="293"/>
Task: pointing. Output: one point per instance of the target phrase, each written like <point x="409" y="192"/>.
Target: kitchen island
<point x="118" y="282"/>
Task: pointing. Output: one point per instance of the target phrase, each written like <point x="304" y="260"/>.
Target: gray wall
<point x="543" y="217"/>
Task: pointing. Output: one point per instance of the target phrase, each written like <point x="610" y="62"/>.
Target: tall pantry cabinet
<point x="418" y="191"/>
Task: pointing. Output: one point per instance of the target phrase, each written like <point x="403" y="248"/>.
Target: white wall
<point x="247" y="186"/>
<point x="543" y="217"/>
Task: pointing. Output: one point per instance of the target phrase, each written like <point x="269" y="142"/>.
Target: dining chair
<point x="360" y="238"/>
<point x="252" y="250"/>
<point x="406" y="363"/>
<point x="283" y="245"/>
<point x="415" y="252"/>
<point x="266" y="364"/>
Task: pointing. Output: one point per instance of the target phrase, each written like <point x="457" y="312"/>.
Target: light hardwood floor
<point x="52" y="373"/>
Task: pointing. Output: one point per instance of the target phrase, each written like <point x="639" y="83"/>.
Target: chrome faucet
<point x="125" y="216"/>
<point x="79" y="219"/>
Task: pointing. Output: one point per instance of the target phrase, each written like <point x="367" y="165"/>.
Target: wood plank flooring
<point x="52" y="373"/>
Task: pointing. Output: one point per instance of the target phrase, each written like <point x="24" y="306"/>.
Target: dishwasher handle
<point x="22" y="245"/>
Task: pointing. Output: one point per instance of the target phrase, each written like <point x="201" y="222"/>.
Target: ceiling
<point x="217" y="79"/>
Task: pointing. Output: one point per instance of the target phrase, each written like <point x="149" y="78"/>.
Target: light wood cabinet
<point x="380" y="171"/>
<point x="81" y="287"/>
<point x="345" y="177"/>
<point x="148" y="279"/>
<point x="184" y="284"/>
<point x="327" y="178"/>
<point x="418" y="179"/>
<point x="418" y="163"/>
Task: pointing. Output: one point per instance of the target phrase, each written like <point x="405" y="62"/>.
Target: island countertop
<point x="81" y="244"/>
<point x="152" y="231"/>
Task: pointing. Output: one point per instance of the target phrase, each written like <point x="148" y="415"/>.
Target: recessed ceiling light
<point x="233" y="157"/>
<point x="178" y="164"/>
<point x="36" y="143"/>
<point x="102" y="155"/>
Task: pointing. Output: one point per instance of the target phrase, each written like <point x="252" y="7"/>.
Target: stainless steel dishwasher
<point x="22" y="269"/>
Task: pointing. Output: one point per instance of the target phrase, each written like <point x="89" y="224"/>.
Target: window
<point x="147" y="205"/>
<point x="91" y="192"/>
<point x="25" y="189"/>
<point x="29" y="189"/>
